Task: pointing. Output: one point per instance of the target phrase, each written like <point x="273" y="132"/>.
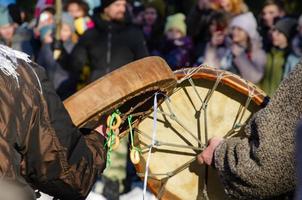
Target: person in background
<point x="280" y="59"/>
<point x="76" y="8"/>
<point x="214" y="51"/>
<point x="41" y="5"/>
<point x="246" y="58"/>
<point x="198" y="21"/>
<point x="297" y="41"/>
<point x="176" y="47"/>
<point x="45" y="19"/>
<point x="79" y="10"/>
<point x="63" y="82"/>
<point x="272" y="10"/>
<point x="232" y="7"/>
<point x="112" y="43"/>
<point x="152" y="27"/>
<point x="13" y="35"/>
<point x="137" y="13"/>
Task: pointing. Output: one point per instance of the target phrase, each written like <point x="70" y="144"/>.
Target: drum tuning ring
<point x="117" y="121"/>
<point x="134" y="156"/>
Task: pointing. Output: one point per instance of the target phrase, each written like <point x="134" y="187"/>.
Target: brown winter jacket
<point x="38" y="141"/>
<point x="262" y="164"/>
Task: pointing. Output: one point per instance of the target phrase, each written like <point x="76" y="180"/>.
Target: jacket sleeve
<point x="61" y="160"/>
<point x="261" y="164"/>
<point x="299" y="161"/>
<point x="11" y="179"/>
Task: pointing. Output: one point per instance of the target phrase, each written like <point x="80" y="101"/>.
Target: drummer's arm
<point x="62" y="160"/>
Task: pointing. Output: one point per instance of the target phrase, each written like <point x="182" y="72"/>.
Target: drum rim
<point x="232" y="80"/>
<point x="164" y="81"/>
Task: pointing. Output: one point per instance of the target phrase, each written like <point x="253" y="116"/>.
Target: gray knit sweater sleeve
<point x="262" y="164"/>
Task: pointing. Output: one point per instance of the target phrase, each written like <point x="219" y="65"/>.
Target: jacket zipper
<point x="109" y="44"/>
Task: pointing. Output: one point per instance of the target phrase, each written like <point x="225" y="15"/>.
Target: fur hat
<point x="176" y="21"/>
<point x="248" y="23"/>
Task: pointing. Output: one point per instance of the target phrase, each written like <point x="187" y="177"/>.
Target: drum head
<point x="129" y="89"/>
<point x="206" y="103"/>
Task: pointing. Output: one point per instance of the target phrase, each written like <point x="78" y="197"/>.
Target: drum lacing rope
<point x="241" y="112"/>
<point x="158" y="143"/>
<point x="152" y="144"/>
<point x="204" y="107"/>
<point x="211" y="92"/>
<point x="132" y="135"/>
<point x="155" y="143"/>
<point x="111" y="136"/>
<point x="190" y="72"/>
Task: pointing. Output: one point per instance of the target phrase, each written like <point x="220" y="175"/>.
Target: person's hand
<point x="237" y="50"/>
<point x="207" y="155"/>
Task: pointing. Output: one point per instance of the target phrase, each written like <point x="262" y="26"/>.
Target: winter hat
<point x="246" y="22"/>
<point x="176" y="21"/>
<point x="44" y="30"/>
<point x="5" y="18"/>
<point x="287" y="26"/>
<point x="68" y="19"/>
<point x="106" y="3"/>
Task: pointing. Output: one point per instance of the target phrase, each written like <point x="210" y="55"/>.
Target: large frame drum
<point x="206" y="103"/>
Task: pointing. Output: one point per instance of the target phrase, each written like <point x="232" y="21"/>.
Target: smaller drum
<point x="207" y="102"/>
<point x="129" y="89"/>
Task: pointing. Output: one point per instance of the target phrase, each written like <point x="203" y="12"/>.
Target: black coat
<point x="107" y="47"/>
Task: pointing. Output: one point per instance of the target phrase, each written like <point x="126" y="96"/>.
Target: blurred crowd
<point x="82" y="40"/>
<point x="87" y="39"/>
